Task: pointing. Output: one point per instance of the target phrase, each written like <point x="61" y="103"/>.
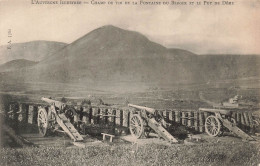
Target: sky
<point x="202" y="29"/>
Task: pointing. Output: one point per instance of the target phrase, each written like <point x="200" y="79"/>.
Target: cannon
<point x="220" y="120"/>
<point x="59" y="115"/>
<point x="144" y="119"/>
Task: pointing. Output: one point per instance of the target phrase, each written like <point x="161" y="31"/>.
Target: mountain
<point x="16" y="65"/>
<point x="221" y="67"/>
<point x="110" y="55"/>
<point x="33" y="51"/>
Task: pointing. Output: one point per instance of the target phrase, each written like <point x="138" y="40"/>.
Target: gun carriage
<point x="219" y="120"/>
<point x="145" y="119"/>
<point x="59" y="115"/>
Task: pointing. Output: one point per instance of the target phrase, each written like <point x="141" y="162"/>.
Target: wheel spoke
<point x="215" y="131"/>
<point x="212" y="125"/>
<point x="133" y="119"/>
<point x="211" y="129"/>
<point x="134" y="130"/>
<point x="42" y="121"/>
<point x="136" y="126"/>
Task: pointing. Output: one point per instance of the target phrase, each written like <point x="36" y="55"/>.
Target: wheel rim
<point x="212" y="126"/>
<point x="70" y="114"/>
<point x="136" y="126"/>
<point x="42" y="121"/>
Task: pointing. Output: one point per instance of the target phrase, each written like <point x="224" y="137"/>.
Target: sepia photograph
<point x="130" y="82"/>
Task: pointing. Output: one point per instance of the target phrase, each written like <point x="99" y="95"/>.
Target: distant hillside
<point x="221" y="67"/>
<point x="16" y="65"/>
<point x="181" y="55"/>
<point x="110" y="55"/>
<point x="33" y="51"/>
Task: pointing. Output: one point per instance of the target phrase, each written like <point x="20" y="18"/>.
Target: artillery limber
<point x="59" y="115"/>
<point x="145" y="119"/>
<point x="220" y="120"/>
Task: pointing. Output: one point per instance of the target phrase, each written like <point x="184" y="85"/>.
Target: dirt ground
<point x="166" y="97"/>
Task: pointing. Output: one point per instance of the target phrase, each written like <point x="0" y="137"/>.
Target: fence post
<point x="171" y="117"/>
<point x="103" y="118"/>
<point x="118" y="117"/>
<point x="105" y="112"/>
<point x="233" y="115"/>
<point x="246" y="118"/>
<point x="87" y="115"/>
<point x="250" y="117"/>
<point x="190" y="118"/>
<point x="196" y="124"/>
<point x="164" y="113"/>
<point x="238" y="120"/>
<point x="32" y="114"/>
<point x="184" y="120"/>
<point x="177" y="116"/>
<point x="125" y="117"/>
<point x="23" y="114"/>
<point x="94" y="119"/>
<point x="201" y="120"/>
<point x="114" y="118"/>
<point x="242" y="119"/>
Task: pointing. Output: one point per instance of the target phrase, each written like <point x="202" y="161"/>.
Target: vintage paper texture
<point x="164" y="54"/>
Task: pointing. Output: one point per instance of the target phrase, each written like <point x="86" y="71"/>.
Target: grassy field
<point x="167" y="97"/>
<point x="204" y="154"/>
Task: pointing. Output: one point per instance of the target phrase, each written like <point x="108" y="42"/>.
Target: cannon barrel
<point x="150" y="110"/>
<point x="47" y="100"/>
<point x="56" y="103"/>
<point x="221" y="111"/>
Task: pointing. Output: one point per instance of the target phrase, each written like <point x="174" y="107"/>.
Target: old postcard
<point x="129" y="82"/>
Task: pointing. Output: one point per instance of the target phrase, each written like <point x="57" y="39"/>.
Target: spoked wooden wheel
<point x="42" y="121"/>
<point x="212" y="126"/>
<point x="136" y="126"/>
<point x="71" y="114"/>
